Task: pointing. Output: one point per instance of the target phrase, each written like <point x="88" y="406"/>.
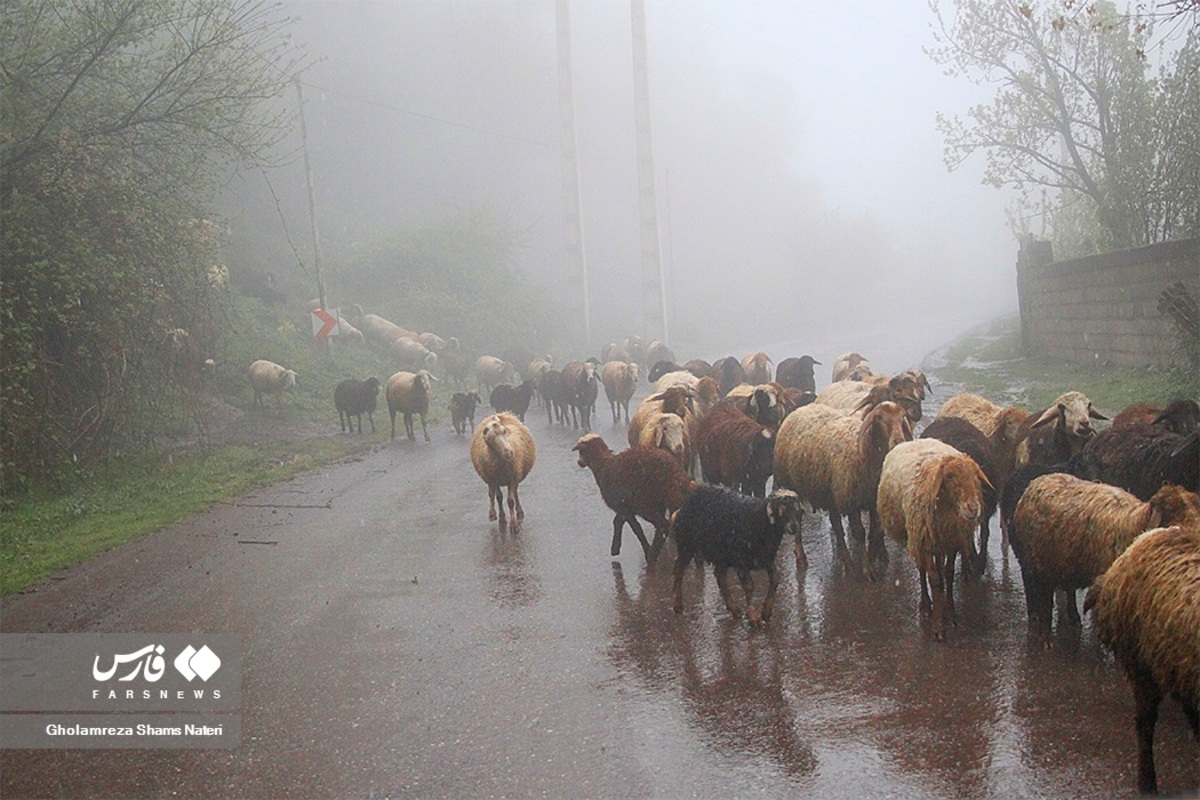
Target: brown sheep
<point x="844" y="364"/>
<point x="931" y="498"/>
<point x="620" y="380"/>
<point x="1059" y="432"/>
<point x="503" y="452"/>
<point x="1066" y="532"/>
<point x="1181" y="416"/>
<point x="833" y="461"/>
<point x="636" y="483"/>
<point x="735" y="450"/>
<point x="1003" y="425"/>
<point x="1146" y="609"/>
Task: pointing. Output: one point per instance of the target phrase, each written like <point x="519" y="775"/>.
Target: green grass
<point x="989" y="362"/>
<point x="42" y="532"/>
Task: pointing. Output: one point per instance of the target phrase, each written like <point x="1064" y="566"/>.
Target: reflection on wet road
<point x="397" y="644"/>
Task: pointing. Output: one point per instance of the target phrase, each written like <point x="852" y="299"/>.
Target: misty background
<point x="802" y="194"/>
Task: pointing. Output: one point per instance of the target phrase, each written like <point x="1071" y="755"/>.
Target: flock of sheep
<point x="1113" y="511"/>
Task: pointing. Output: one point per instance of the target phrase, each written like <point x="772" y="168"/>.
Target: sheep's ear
<point x="1094" y="414"/>
<point x="771" y="512"/>
<point x="983" y="478"/>
<point x="1156" y="518"/>
<point x="1049" y="415"/>
<point x="432" y="378"/>
<point x="658" y="436"/>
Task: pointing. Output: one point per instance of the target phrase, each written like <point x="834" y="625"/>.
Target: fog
<point x="802" y="194"/>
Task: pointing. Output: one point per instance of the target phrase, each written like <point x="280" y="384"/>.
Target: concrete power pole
<point x="571" y="202"/>
<point x="654" y="302"/>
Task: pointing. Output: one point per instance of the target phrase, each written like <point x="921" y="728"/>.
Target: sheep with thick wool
<point x="1067" y="531"/>
<point x="637" y="482"/>
<point x="516" y="399"/>
<point x="966" y="438"/>
<point x="1146" y="609"/>
<point x="491" y="371"/>
<point x="856" y="397"/>
<point x="620" y="380"/>
<point x="1142" y="458"/>
<point x="735" y="450"/>
<point x="732" y="531"/>
<point x="930" y="499"/>
<point x="503" y="452"/>
<point x="1180" y="416"/>
<point x="677" y="401"/>
<point x="267" y="377"/>
<point x="669" y="433"/>
<point x="797" y="373"/>
<point x="412" y="354"/>
<point x="408" y="393"/>
<point x="1001" y="424"/>
<point x="833" y="460"/>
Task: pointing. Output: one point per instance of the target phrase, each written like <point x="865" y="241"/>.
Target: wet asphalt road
<point x="397" y="644"/>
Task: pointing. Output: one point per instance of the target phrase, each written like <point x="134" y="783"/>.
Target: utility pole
<point x="312" y="199"/>
<point x="571" y="201"/>
<point x="654" y="316"/>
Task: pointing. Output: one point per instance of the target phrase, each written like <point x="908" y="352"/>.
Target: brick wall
<point x="1103" y="309"/>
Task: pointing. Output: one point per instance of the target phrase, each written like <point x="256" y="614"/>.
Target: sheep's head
<point x="430" y="360"/>
<point x="783" y="508"/>
<point x="1074" y="413"/>
<point x="860" y="372"/>
<point x="1181" y="416"/>
<point x="372" y="386"/>
<point x="960" y="482"/>
<point x="495" y="435"/>
<point x="287" y="381"/>
<point x="669" y="434"/>
<point x="1174" y="505"/>
<point x="884" y="427"/>
<point x="591" y="448"/>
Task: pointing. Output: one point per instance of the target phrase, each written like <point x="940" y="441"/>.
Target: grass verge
<point x="43" y="532"/>
<point x="988" y="361"/>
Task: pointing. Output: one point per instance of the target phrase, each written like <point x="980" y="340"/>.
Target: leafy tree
<point x="118" y="121"/>
<point x="1077" y="126"/>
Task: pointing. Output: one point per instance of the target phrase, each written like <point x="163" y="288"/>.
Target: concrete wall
<point x="1103" y="309"/>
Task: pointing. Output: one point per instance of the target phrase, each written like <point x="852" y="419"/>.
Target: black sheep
<point x="1140" y="459"/>
<point x="797" y="373"/>
<point x="353" y="399"/>
<point x="728" y="529"/>
<point x="462" y="411"/>
<point x="516" y="399"/>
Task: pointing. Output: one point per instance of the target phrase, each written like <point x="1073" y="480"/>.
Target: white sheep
<point x="930" y="498"/>
<point x="667" y="432"/>
<point x="503" y="453"/>
<point x="620" y="380"/>
<point x="412" y="354"/>
<point x="1059" y="432"/>
<point x="408" y="394"/>
<point x="267" y="377"/>
<point x="1066" y="531"/>
<point x="757" y="367"/>
<point x="491" y="371"/>
<point x="991" y="419"/>
<point x="676" y="401"/>
<point x="844" y="363"/>
<point x="833" y="460"/>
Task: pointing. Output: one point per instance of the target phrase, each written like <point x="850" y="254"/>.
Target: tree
<point x="120" y="118"/>
<point x="1077" y="126"/>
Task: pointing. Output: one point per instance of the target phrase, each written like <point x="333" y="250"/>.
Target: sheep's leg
<point x="856" y="526"/>
<point x="948" y="579"/>
<point x="1039" y="601"/>
<point x="1067" y="604"/>
<point x="1147" y="696"/>
<point x="618" y="525"/>
<point x="492" y="502"/>
<point x="514" y="501"/>
<point x="722" y="574"/>
<point x="925" y="606"/>
<point x="424" y="429"/>
<point x="682" y="558"/>
<point x="839" y="539"/>
<point x="877" y="555"/>
<point x="371" y="417"/>
<point x="408" y="426"/>
<point x="393" y="414"/>
<point x="935" y="566"/>
<point x="768" y="606"/>
<point x="981" y="556"/>
<point x="747" y="582"/>
<point x="801" y="556"/>
<point x="636" y="527"/>
<point x="661" y="528"/>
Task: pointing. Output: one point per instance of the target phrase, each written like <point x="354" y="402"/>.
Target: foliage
<point x="1107" y="154"/>
<point x="119" y="119"/>
<point x="455" y="277"/>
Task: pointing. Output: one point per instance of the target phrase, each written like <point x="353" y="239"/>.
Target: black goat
<point x="728" y="529"/>
<point x="353" y="399"/>
<point x="462" y="411"/>
<point x="797" y="373"/>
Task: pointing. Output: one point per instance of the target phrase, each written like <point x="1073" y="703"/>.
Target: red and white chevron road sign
<point x="326" y="323"/>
